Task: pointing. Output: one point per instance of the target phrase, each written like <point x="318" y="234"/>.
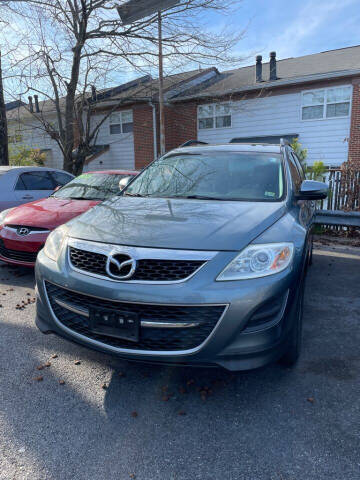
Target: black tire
<point x="311" y="251"/>
<point x="292" y="353"/>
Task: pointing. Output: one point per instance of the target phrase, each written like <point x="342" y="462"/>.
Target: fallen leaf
<point x="182" y="412"/>
<point x="104" y="386"/>
<point x="54" y="356"/>
<point x="134" y="414"/>
<point x="77" y="362"/>
<point x="132" y="475"/>
<point x="311" y="399"/>
<point x="62" y="382"/>
<point x="40" y="367"/>
<point x="39" y="379"/>
<point x="47" y="364"/>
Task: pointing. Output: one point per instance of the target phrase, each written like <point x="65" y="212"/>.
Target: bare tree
<point x="72" y="44"/>
<point x="4" y="152"/>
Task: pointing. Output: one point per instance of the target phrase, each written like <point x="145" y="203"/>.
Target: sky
<point x="297" y="27"/>
<point x="290" y="27"/>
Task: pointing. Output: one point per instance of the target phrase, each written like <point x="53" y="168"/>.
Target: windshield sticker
<point x="269" y="194"/>
<point x="85" y="175"/>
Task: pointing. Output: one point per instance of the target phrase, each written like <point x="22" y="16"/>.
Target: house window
<point x="214" y="116"/>
<point x="326" y="103"/>
<point x="121" y="122"/>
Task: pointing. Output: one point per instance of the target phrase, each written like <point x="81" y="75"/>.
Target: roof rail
<point x="284" y="142"/>
<point x="190" y="143"/>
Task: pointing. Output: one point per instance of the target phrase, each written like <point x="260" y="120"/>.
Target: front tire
<point x="292" y="353"/>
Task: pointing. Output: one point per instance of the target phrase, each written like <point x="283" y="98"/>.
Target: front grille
<point x="31" y="228"/>
<point x="147" y="270"/>
<point x="150" y="338"/>
<point x="18" y="255"/>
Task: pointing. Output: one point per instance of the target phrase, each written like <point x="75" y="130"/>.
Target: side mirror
<point x="57" y="188"/>
<point x="123" y="182"/>
<point x="312" y="190"/>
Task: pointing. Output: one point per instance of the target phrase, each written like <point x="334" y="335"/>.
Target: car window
<point x="91" y="186"/>
<point x="295" y="174"/>
<point x="298" y="165"/>
<point x="61" y="178"/>
<point x="40" y="180"/>
<point x="213" y="175"/>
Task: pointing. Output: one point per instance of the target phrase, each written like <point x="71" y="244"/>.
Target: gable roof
<point x="149" y="89"/>
<point x="13" y="104"/>
<point x="329" y="64"/>
<point x="141" y="89"/>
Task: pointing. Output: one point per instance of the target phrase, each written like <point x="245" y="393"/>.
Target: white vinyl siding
<point x="120" y="156"/>
<point x="326" y="139"/>
<point x="32" y="135"/>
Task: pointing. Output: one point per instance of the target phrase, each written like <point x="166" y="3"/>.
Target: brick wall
<point x="354" y="141"/>
<point x="143" y="135"/>
<point x="180" y="124"/>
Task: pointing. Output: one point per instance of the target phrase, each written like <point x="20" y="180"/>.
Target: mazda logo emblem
<point x="120" y="266"/>
<point x="23" y="231"/>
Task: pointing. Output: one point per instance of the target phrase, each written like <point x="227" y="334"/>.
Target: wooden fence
<point x="344" y="190"/>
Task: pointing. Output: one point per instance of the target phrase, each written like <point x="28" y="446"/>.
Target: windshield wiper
<point x="199" y="197"/>
<point x="83" y="198"/>
<point x="133" y="195"/>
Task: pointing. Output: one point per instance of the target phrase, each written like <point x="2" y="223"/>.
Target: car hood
<point x="49" y="212"/>
<point x="177" y="223"/>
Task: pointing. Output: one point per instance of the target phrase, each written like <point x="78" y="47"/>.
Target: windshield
<point x="91" y="186"/>
<point x="215" y="175"/>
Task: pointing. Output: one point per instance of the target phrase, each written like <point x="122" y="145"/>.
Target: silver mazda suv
<point x="200" y="260"/>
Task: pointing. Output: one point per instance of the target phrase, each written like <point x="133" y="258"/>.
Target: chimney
<point x="258" y="69"/>
<point x="93" y="93"/>
<point x="37" y="109"/>
<point x="31" y="105"/>
<point x="273" y="75"/>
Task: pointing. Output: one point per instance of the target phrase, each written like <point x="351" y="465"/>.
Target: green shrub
<point x="22" y="156"/>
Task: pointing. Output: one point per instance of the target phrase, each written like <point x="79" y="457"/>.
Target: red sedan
<point x="24" y="229"/>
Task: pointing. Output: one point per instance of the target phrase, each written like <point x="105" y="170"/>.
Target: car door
<point x="33" y="185"/>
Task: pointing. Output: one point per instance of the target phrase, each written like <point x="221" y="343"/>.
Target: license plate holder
<point x="125" y="326"/>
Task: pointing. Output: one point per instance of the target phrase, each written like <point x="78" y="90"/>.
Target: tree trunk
<point x="69" y="110"/>
<point x="79" y="161"/>
<point x="4" y="152"/>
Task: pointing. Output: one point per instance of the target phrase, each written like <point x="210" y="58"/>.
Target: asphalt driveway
<point x="90" y="416"/>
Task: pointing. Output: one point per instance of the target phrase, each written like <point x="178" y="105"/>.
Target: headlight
<point x="258" y="261"/>
<point x="54" y="242"/>
<point x="3" y="215"/>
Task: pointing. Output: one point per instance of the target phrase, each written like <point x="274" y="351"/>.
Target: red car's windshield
<point x="91" y="186"/>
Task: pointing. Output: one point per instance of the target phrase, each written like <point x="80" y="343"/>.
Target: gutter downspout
<point x="153" y="106"/>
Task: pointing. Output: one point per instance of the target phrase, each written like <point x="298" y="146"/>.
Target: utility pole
<point x="161" y="88"/>
<point x="4" y="151"/>
<point x="133" y="10"/>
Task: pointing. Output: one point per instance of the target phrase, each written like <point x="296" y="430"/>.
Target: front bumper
<point x="20" y="250"/>
<point x="230" y="343"/>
